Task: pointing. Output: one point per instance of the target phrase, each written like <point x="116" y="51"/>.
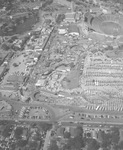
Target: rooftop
<point x="73" y="29"/>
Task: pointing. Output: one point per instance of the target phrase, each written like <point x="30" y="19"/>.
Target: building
<point x="110" y="25"/>
<point x="40" y="82"/>
<point x="73" y="30"/>
<point x="64" y="2"/>
<point x="15" y="79"/>
<point x="96" y="10"/>
<point x="62" y="29"/>
<point x="70" y="17"/>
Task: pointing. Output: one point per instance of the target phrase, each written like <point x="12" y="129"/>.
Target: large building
<point x="108" y="24"/>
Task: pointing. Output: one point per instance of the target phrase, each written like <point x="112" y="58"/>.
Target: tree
<point x="115" y="135"/>
<point x="7" y="131"/>
<point x="37" y="136"/>
<point x="15" y="65"/>
<point x="60" y="18"/>
<point x="22" y="143"/>
<point x="67" y="147"/>
<point x="120" y="145"/>
<point x="45" y="126"/>
<point x="88" y="134"/>
<point x="75" y="143"/>
<point x="5" y="47"/>
<point x="53" y="146"/>
<point x="67" y="135"/>
<point x="79" y="131"/>
<point x="33" y="144"/>
<point x="78" y="142"/>
<point x="93" y="145"/>
<point x="106" y="140"/>
<point x="18" y="132"/>
<point x="46" y="3"/>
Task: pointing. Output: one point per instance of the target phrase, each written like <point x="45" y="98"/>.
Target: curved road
<point x="73" y="108"/>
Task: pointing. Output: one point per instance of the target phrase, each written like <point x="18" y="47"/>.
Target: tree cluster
<point x="60" y="18"/>
<point x="75" y="143"/>
<point x="18" y="132"/>
<point x="111" y="139"/>
<point x="53" y="145"/>
<point x="7" y="131"/>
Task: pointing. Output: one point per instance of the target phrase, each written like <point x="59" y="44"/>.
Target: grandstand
<point x="106" y="24"/>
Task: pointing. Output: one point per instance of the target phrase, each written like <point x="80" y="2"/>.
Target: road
<point x="75" y="108"/>
<point x="47" y="140"/>
<point x="88" y="123"/>
<point x="18" y="105"/>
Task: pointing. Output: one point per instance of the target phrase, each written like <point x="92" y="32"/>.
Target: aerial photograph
<point x="61" y="74"/>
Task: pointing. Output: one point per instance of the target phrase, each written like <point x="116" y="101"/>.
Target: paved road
<point x="18" y="105"/>
<point x="79" y="109"/>
<point x="47" y="140"/>
<point x="87" y="123"/>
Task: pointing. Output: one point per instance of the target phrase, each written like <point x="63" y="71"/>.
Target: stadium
<point x="111" y="25"/>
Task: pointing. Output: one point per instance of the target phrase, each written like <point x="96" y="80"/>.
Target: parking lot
<point x="36" y="112"/>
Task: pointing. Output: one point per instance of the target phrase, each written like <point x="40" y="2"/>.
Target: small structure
<point x="40" y="82"/>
